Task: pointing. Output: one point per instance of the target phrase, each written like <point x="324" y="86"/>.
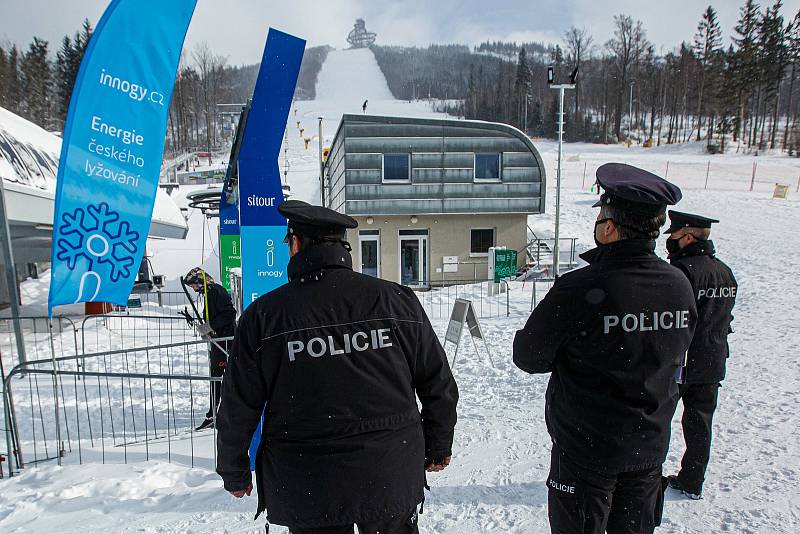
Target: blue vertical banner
<point x="112" y="148"/>
<point x="264" y="256"/>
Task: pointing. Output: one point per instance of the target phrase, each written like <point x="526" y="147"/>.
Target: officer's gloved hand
<point x="436" y="463"/>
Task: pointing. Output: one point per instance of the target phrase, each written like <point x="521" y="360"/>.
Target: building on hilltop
<point x="432" y="195"/>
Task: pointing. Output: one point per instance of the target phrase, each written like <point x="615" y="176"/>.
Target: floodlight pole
<point x="561" y="88"/>
<point x="321" y="166"/>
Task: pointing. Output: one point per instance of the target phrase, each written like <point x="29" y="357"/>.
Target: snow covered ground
<point x="501" y="453"/>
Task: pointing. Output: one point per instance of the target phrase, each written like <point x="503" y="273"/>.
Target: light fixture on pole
<point x="561" y="88"/>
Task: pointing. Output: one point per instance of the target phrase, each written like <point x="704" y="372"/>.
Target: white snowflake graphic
<point x="97" y="235"/>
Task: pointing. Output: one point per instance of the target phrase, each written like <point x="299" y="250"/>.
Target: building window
<point x="487" y="167"/>
<point x="480" y="241"/>
<point x="396" y="167"/>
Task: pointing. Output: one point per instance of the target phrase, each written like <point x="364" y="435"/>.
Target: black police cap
<point x="630" y="188"/>
<point x="314" y="221"/>
<point x="678" y="220"/>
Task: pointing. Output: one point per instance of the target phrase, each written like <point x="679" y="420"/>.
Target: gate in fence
<point x="121" y="404"/>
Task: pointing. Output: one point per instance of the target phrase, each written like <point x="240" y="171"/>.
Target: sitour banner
<point x="264" y="256"/>
<point x="112" y="149"/>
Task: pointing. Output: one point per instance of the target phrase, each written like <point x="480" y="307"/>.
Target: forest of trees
<point x="37" y="84"/>
<point x="741" y="91"/>
<point x="744" y="92"/>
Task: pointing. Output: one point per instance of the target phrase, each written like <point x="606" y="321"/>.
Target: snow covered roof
<point x="29" y="158"/>
<point x="28" y="153"/>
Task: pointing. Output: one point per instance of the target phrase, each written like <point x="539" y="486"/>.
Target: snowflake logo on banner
<point x="97" y="235"/>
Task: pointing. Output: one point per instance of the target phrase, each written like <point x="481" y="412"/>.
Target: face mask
<point x="596" y="224"/>
<point x="673" y="246"/>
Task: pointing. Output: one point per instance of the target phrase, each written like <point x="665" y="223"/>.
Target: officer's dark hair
<point x="308" y="241"/>
<point x="632" y="225"/>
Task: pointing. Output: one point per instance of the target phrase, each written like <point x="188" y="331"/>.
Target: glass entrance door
<point x="370" y="252"/>
<point x="414" y="258"/>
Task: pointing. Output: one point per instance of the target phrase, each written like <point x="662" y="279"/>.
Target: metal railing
<point x="131" y="404"/>
<point x="119" y="331"/>
<point x="35" y="337"/>
<point x="505" y="299"/>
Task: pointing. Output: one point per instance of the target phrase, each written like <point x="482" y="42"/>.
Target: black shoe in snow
<point x="676" y="484"/>
<point x="208" y="423"/>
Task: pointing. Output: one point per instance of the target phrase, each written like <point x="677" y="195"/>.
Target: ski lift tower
<point x="359" y="37"/>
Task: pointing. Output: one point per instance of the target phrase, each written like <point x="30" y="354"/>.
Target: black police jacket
<point x="221" y="313"/>
<point x="339" y="358"/>
<point x="613" y="335"/>
<point x="715" y="293"/>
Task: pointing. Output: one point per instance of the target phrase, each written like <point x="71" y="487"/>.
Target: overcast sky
<point x="237" y="28"/>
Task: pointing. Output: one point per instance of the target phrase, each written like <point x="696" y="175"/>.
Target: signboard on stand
<point x="464" y="313"/>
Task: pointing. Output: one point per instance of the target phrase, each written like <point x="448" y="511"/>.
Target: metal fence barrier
<point x="508" y="298"/>
<point x="35" y="337"/>
<point x="118" y="331"/>
<point x="114" y="406"/>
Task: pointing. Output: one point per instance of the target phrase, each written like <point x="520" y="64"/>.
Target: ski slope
<point x="501" y="452"/>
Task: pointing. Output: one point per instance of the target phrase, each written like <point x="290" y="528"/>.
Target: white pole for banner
<point x="59" y="448"/>
<point x="11" y="275"/>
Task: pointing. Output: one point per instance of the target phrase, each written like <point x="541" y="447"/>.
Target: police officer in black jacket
<point x="612" y="335"/>
<point x="219" y="313"/>
<point x="714" y="286"/>
<point x="340" y="359"/>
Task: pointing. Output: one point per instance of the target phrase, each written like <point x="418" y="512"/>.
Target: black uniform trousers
<point x="699" y="403"/>
<point x="399" y="524"/>
<point x="218" y="360"/>
<point x="583" y="501"/>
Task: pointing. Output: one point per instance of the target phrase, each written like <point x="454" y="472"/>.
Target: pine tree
<point x="65" y="77"/>
<point x="36" y="80"/>
<point x="793" y="57"/>
<point x="745" y="63"/>
<point x="13" y="89"/>
<point x="707" y="42"/>
<point x="3" y="78"/>
<point x="772" y="61"/>
<point x="522" y="84"/>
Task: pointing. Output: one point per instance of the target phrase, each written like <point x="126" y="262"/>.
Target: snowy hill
<point x="361" y="76"/>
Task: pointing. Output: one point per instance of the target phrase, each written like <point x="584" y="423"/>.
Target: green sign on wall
<point x="230" y="257"/>
<point x="505" y="264"/>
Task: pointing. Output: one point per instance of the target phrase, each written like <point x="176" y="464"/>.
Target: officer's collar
<point x="319" y="257"/>
<point x="624" y="248"/>
<point x="698" y="248"/>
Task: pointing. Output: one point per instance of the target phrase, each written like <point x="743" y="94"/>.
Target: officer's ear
<point x="295" y="244"/>
<point x="611" y="230"/>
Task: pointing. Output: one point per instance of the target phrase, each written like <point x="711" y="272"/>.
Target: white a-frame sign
<point x="464" y="312"/>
